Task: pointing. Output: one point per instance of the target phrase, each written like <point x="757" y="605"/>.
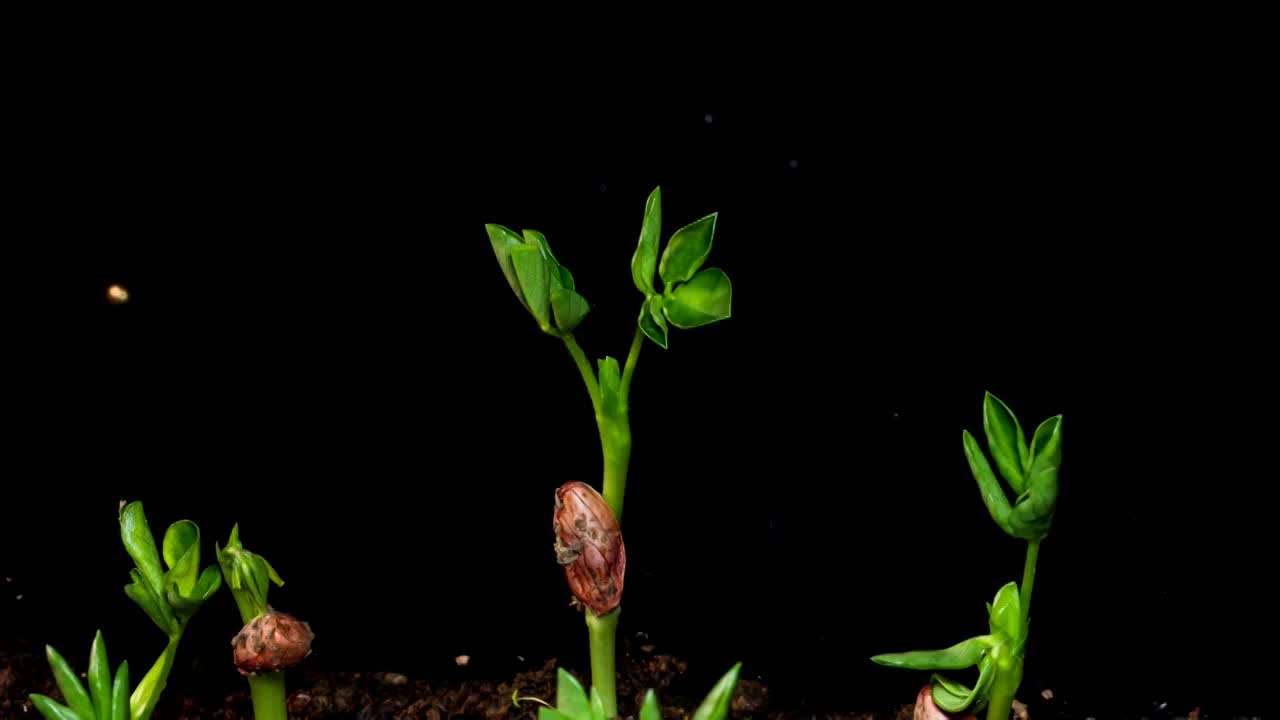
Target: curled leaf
<point x="706" y="298"/>
<point x="653" y="322"/>
<point x="1006" y="440"/>
<point x="644" y="261"/>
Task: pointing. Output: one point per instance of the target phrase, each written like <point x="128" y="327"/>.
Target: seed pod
<point x="589" y="546"/>
<point x="271" y="642"/>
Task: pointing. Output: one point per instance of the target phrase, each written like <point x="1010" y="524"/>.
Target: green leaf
<point x="706" y="298"/>
<point x="645" y="259"/>
<point x="546" y="713"/>
<point x="610" y="387"/>
<point x="559" y="275"/>
<point x="992" y="494"/>
<point x="209" y="582"/>
<point x="569" y="308"/>
<point x="504" y="241"/>
<point x="1047" y="442"/>
<point x="955" y="697"/>
<point x="1033" y="513"/>
<point x="649" y="710"/>
<point x="147" y="694"/>
<point x="963" y="654"/>
<point x="120" y="693"/>
<point x="69" y="683"/>
<point x="1006" y="614"/>
<point x="571" y="698"/>
<point x="51" y="709"/>
<point x="715" y="706"/>
<point x="100" y="677"/>
<point x="182" y="554"/>
<point x="687" y="250"/>
<point x="155" y="608"/>
<point x="141" y="545"/>
<point x="597" y="705"/>
<point x="535" y="281"/>
<point x="652" y="321"/>
<point x="1004" y="437"/>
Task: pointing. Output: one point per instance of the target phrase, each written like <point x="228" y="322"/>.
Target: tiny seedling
<point x="1031" y="472"/>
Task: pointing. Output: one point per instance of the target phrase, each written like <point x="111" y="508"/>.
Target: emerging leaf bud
<point x="589" y="546"/>
<point x="271" y="642"/>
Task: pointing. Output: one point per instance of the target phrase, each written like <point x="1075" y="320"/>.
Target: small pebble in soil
<point x="462" y="659"/>
<point x="1047" y="694"/>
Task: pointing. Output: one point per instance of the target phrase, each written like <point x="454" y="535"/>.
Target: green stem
<point x="1008" y="678"/>
<point x="602" y="631"/>
<point x="147" y="693"/>
<point x="1028" y="579"/>
<point x="630" y="368"/>
<point x="584" y="367"/>
<point x="269" y="701"/>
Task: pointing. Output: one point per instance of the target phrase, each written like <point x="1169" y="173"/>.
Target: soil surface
<point x="392" y="696"/>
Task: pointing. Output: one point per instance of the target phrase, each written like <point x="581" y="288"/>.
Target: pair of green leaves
<point x="573" y="702"/>
<point x="692" y="296"/>
<point x="248" y="575"/>
<point x="544" y="286"/>
<point x="1031" y="471"/>
<point x="993" y="654"/>
<point x="105" y="698"/>
<point x="169" y="597"/>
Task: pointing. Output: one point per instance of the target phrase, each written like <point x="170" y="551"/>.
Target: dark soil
<point x="318" y="695"/>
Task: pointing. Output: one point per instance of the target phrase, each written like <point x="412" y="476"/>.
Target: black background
<point x="320" y="346"/>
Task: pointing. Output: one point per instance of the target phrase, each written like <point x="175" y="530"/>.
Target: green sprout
<point x="270" y="641"/>
<point x="169" y="597"/>
<point x="689" y="296"/>
<point x="1031" y="472"/>
<point x="574" y="703"/>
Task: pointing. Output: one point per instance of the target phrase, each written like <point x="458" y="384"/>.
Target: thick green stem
<point x="602" y="631"/>
<point x="143" y="701"/>
<point x="269" y="700"/>
<point x="1008" y="678"/>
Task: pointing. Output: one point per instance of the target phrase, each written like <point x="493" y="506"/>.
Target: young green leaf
<point x="955" y="697"/>
<point x="535" y="281"/>
<point x="992" y="494"/>
<point x="1047" y="442"/>
<point x="715" y="706"/>
<point x="963" y="654"/>
<point x="652" y="321"/>
<point x="51" y="709"/>
<point x="1006" y="614"/>
<point x="569" y="308"/>
<point x="706" y="298"/>
<point x="546" y="713"/>
<point x="649" y="710"/>
<point x="69" y="683"/>
<point x="503" y="241"/>
<point x="100" y="677"/>
<point x="120" y="693"/>
<point x="571" y="698"/>
<point x="155" y="607"/>
<point x="687" y="250"/>
<point x="141" y="545"/>
<point x="147" y="694"/>
<point x="1032" y="515"/>
<point x="182" y="554"/>
<point x="1006" y="440"/>
<point x="559" y="277"/>
<point x="610" y="387"/>
<point x="644" y="261"/>
<point x="597" y="705"/>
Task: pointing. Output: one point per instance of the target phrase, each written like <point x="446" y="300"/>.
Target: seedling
<point x="169" y="597"/>
<point x="574" y="703"/>
<point x="270" y="641"/>
<point x="1032" y="473"/>
<point x="688" y="296"/>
